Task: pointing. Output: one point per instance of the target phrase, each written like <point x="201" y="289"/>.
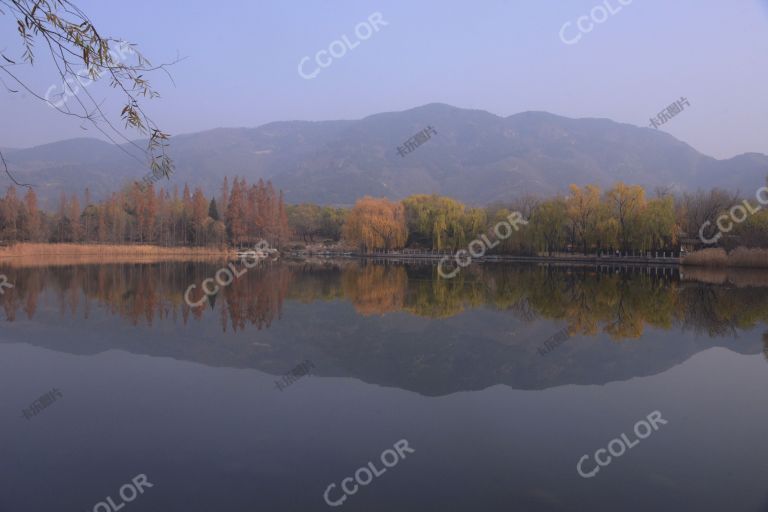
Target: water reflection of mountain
<point x="400" y="326"/>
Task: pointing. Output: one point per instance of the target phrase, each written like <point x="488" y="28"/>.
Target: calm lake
<point x="500" y="381"/>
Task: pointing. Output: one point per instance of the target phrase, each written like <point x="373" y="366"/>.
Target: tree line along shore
<point x="150" y="220"/>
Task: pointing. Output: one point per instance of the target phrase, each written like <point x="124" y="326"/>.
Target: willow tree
<point x="376" y="223"/>
<point x="548" y="224"/>
<point x="305" y="220"/>
<point x="659" y="227"/>
<point x="435" y="221"/>
<point x="626" y="203"/>
<point x="81" y="54"/>
<point x="583" y="205"/>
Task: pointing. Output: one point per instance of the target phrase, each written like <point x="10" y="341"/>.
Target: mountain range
<point x="475" y="156"/>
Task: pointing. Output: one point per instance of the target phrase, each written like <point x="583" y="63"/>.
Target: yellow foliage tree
<point x="583" y="208"/>
<point x="376" y="223"/>
<point x="627" y="202"/>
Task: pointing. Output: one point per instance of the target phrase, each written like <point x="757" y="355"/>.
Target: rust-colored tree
<point x="200" y="217"/>
<point x="236" y="218"/>
<point x="32" y="222"/>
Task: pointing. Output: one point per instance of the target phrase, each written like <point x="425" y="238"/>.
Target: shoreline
<point x="428" y="257"/>
<point x="54" y="253"/>
<point x="576" y="260"/>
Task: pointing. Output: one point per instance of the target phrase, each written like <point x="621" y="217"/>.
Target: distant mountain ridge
<point x="476" y="157"/>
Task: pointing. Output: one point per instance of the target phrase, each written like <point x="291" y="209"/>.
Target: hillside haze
<point x="476" y="157"/>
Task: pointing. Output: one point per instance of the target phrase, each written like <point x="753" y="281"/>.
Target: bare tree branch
<point x="72" y="41"/>
<point x="5" y="167"/>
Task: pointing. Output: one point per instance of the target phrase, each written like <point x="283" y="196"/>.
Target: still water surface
<point x="497" y="415"/>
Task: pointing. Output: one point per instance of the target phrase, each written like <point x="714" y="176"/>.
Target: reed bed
<point x="33" y="255"/>
<point x="706" y="258"/>
<point x="740" y="257"/>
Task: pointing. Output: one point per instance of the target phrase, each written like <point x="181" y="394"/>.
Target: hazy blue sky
<point x="501" y="56"/>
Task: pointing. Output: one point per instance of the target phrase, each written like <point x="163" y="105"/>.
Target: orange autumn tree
<point x="376" y="223"/>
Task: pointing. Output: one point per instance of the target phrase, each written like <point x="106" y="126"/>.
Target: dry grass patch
<point x="739" y="257"/>
<point x="706" y="258"/>
<point x="31" y="255"/>
<point x="753" y="258"/>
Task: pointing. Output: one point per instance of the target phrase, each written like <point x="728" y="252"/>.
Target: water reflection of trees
<point x="144" y="293"/>
<point x="375" y="289"/>
<point x="765" y="344"/>
<point x="621" y="304"/>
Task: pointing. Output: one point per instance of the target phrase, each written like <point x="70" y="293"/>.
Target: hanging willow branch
<point x="81" y="54"/>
